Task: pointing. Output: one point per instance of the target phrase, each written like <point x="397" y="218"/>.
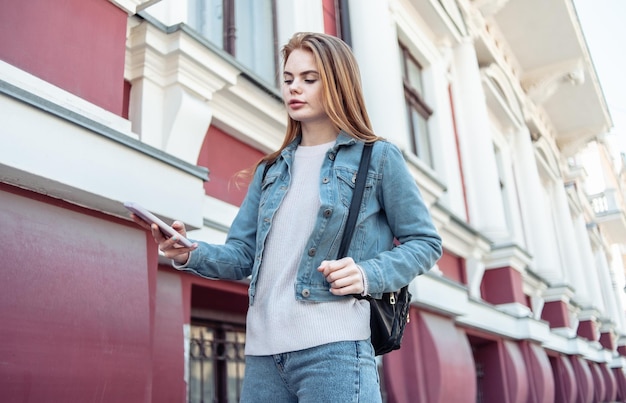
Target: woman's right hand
<point x="169" y="246"/>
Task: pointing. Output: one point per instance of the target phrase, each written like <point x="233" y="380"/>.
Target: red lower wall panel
<point x="169" y="363"/>
<point x="75" y="316"/>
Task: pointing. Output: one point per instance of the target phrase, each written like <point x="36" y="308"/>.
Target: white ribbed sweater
<point x="277" y="322"/>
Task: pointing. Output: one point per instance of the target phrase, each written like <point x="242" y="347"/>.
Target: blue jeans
<point x="338" y="372"/>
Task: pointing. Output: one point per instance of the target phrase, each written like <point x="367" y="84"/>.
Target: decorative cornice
<point x="132" y="7"/>
<point x="490" y="7"/>
<point x="559" y="292"/>
<point x="540" y="84"/>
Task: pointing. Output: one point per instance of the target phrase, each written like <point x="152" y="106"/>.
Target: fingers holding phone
<point x="171" y="246"/>
<point x="171" y="239"/>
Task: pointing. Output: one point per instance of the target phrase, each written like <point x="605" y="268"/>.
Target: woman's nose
<point x="294" y="87"/>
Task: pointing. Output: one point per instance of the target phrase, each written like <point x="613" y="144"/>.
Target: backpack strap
<point x="355" y="203"/>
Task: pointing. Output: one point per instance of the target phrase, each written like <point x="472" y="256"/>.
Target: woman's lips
<point x="296" y="104"/>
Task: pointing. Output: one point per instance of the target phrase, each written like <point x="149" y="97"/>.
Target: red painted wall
<point x="556" y="313"/>
<point x="169" y="355"/>
<point x="77" y="45"/>
<point x="607" y="339"/>
<point x="453" y="267"/>
<point x="75" y="292"/>
<point x="225" y="156"/>
<point x="588" y="329"/>
<point x="503" y="285"/>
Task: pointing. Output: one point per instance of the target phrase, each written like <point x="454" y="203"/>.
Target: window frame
<point x="415" y="102"/>
<point x="229" y="35"/>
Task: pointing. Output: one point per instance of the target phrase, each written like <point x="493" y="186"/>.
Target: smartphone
<point x="151" y="218"/>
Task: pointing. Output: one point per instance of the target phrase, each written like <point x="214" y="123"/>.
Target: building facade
<point x="495" y="104"/>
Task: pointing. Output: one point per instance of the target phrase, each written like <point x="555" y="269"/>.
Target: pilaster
<point x="384" y="92"/>
<point x="558" y="311"/>
<point x="503" y="284"/>
<point x="485" y="204"/>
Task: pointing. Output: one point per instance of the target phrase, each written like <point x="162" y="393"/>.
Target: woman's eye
<point x="310" y="81"/>
<point x="288" y="81"/>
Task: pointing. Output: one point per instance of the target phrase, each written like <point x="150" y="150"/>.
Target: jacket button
<point x="306" y="293"/>
<point x="331" y="156"/>
<point x="325" y="180"/>
<point x="327" y="212"/>
<point x="312" y="252"/>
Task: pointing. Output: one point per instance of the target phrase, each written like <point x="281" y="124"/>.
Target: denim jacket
<point x="392" y="207"/>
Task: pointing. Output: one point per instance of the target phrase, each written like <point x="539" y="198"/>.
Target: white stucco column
<point x="186" y="119"/>
<point x="609" y="294"/>
<point x="484" y="199"/>
<point x="378" y="56"/>
<point x="568" y="247"/>
<point x="297" y="16"/>
<point x="147" y="100"/>
<point x="538" y="232"/>
<point x="618" y="281"/>
<point x="589" y="292"/>
<point x="443" y="138"/>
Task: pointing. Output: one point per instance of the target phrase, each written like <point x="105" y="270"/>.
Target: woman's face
<point x="302" y="88"/>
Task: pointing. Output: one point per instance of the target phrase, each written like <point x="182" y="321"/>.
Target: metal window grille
<point x="216" y="362"/>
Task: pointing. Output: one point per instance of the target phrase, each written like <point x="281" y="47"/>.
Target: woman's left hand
<point x="343" y="275"/>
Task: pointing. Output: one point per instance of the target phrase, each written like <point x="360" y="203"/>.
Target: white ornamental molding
<point x="540" y="84"/>
<point x="132" y="7"/>
<point x="490" y="7"/>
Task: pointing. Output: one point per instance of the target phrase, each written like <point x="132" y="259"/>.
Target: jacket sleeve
<point x="419" y="245"/>
<point x="234" y="259"/>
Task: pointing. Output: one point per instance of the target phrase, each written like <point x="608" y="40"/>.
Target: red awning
<point x="435" y="363"/>
<point x="540" y="376"/>
<point x="620" y="378"/>
<point x="564" y="379"/>
<point x="610" y="383"/>
<point x="584" y="378"/>
<point x="599" y="388"/>
<point x="516" y="374"/>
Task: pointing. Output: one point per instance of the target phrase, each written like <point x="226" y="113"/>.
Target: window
<point x="418" y="111"/>
<point x="336" y="19"/>
<point x="216" y="362"/>
<point x="243" y="28"/>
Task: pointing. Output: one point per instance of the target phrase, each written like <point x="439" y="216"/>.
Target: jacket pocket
<point x="346" y="181"/>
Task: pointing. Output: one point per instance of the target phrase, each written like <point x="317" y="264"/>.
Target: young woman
<point x="307" y="336"/>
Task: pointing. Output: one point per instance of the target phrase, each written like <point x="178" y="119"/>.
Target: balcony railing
<point x="606" y="203"/>
<point x="610" y="215"/>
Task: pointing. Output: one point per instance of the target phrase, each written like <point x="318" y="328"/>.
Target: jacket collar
<point x="343" y="139"/>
